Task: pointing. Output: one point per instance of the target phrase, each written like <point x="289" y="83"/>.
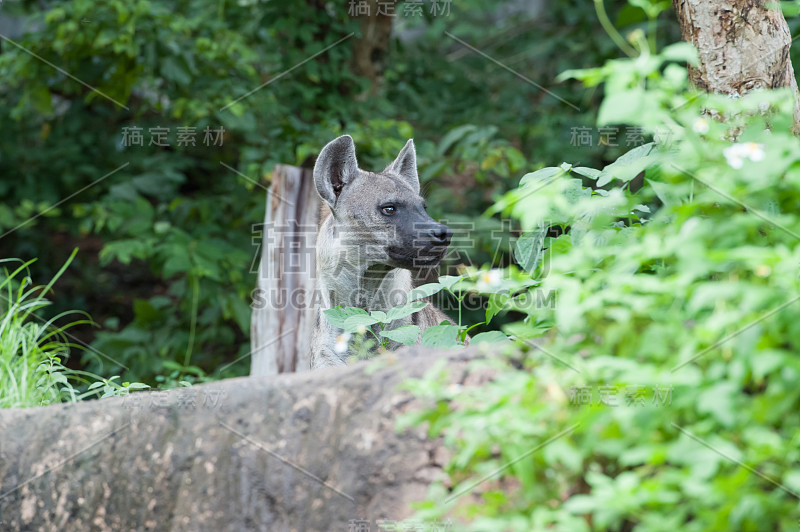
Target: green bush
<point x="663" y="394"/>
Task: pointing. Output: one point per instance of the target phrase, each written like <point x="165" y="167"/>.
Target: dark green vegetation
<point x="664" y="394"/>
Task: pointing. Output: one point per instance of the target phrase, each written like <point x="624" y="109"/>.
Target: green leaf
<point x="59" y="377"/>
<point x="540" y="175"/>
<point x="406" y="310"/>
<point x="624" y="107"/>
<point x="448" y="281"/>
<point x="635" y="154"/>
<point x="124" y="251"/>
<point x="630" y="164"/>
<point x="591" y="173"/>
<point x="406" y="335"/>
<point x="355" y="322"/>
<point x="337" y="315"/>
<point x="528" y="249"/>
<point x="424" y="291"/>
<point x="178" y="263"/>
<point x="441" y="336"/>
<point x="491" y="337"/>
<point x="495" y="304"/>
<point x="378" y="315"/>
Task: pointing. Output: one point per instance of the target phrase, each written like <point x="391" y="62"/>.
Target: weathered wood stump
<point x="281" y="323"/>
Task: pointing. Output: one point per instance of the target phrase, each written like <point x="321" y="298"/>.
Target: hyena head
<point x="379" y="218"/>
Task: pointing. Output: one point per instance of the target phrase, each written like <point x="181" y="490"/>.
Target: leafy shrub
<point x="662" y="393"/>
<point x="354" y="320"/>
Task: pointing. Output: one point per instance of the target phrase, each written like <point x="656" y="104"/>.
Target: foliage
<point x="32" y="349"/>
<point x="661" y="392"/>
<point x="379" y="324"/>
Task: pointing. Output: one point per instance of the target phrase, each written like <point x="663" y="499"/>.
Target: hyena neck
<point x="347" y="283"/>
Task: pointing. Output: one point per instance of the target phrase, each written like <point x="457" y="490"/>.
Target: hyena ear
<point x="406" y="165"/>
<point x="336" y="166"/>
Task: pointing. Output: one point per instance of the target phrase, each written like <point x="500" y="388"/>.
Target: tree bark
<point x="297" y="452"/>
<point x="281" y="323"/>
<point x="371" y="47"/>
<point x="742" y="45"/>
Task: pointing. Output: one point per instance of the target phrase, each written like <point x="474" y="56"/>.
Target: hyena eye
<point x="388" y="210"/>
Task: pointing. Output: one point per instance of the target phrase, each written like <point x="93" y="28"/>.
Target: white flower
<point x="737" y="153"/>
<point x="341" y="343"/>
<point x="362" y="329"/>
<point x="700" y="126"/>
<point x="489" y="281"/>
<point x="733" y="157"/>
<point x="754" y="151"/>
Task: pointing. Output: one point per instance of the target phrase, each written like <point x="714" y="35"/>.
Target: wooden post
<point x="282" y="321"/>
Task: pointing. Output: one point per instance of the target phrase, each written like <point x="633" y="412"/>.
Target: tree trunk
<point x="281" y="323"/>
<point x="296" y="452"/>
<point x="742" y="45"/>
<point x="371" y="47"/>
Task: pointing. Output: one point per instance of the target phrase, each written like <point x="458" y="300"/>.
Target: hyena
<point x="375" y="238"/>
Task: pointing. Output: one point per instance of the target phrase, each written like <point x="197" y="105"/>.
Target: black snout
<point x="440" y="234"/>
<point x="422" y="247"/>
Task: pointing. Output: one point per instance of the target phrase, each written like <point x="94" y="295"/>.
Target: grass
<point x="32" y="348"/>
